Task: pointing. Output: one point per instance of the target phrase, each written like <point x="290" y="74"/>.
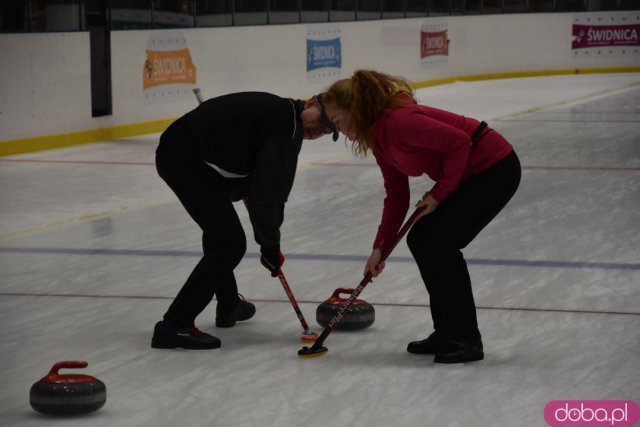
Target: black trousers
<point x="437" y="238"/>
<point x="205" y="196"/>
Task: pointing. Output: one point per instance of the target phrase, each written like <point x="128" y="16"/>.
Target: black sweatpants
<point x="205" y="196"/>
<point x="437" y="238"/>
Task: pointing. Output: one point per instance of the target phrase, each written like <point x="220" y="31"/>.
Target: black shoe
<point x="189" y="338"/>
<point x="460" y="351"/>
<point x="429" y="345"/>
<point x="226" y="318"/>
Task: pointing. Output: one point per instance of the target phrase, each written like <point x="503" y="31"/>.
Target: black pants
<point x="204" y="194"/>
<point x="436" y="241"/>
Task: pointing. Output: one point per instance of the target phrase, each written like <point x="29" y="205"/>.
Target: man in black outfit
<point x="240" y="146"/>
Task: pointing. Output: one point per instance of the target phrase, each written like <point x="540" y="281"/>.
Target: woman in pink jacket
<point x="475" y="170"/>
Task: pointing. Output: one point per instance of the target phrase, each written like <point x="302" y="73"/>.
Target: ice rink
<point x="94" y="246"/>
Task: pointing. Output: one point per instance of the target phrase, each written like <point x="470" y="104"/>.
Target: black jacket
<point x="253" y="140"/>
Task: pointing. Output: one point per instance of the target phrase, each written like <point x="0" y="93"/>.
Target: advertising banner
<point x="606" y="34"/>
<point x="434" y="43"/>
<point x="168" y="71"/>
<point x="324" y="53"/>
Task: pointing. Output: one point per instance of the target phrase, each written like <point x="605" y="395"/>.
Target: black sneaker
<point x="429" y="345"/>
<point x="226" y="318"/>
<point x="460" y="351"/>
<point x="190" y="338"/>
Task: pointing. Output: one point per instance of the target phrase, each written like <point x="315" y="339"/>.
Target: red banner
<point x="585" y="36"/>
<point x="433" y="43"/>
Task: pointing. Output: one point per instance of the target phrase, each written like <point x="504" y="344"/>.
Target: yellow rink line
<point x="45" y="142"/>
<point x="523" y="74"/>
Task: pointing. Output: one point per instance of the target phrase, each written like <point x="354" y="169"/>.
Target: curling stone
<point x="359" y="315"/>
<point x="67" y="394"/>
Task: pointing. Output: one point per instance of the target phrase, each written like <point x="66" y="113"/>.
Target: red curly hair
<point x="366" y="95"/>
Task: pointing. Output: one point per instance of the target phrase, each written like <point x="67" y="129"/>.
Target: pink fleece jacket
<point x="417" y="139"/>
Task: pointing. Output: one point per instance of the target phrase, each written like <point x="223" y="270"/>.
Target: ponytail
<point x="366" y="95"/>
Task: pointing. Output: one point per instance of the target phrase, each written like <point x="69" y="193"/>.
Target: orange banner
<point x="168" y="67"/>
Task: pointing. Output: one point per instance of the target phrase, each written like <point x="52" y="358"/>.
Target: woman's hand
<point x="374" y="263"/>
<point x="428" y="203"/>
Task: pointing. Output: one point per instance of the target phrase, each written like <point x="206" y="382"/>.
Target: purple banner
<point x="585" y="36"/>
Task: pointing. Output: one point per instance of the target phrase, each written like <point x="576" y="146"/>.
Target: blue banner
<point x="323" y="53"/>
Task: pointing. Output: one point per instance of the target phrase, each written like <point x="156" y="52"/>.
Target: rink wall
<point x="45" y="89"/>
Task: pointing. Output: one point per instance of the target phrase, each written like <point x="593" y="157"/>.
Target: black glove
<point x="272" y="259"/>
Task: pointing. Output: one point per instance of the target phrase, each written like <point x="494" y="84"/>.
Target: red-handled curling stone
<point x="67" y="394"/>
<point x="359" y="315"/>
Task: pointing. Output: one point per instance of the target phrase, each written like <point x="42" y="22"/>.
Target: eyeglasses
<point x="324" y="118"/>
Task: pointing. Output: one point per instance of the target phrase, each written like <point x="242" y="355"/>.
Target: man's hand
<point x="272" y="259"/>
